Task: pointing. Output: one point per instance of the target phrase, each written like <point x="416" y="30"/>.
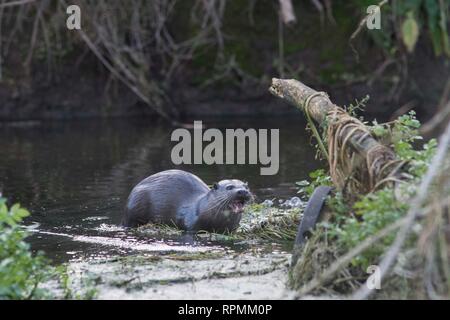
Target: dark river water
<point x="75" y="176"/>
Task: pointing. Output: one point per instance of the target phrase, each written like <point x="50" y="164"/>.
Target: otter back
<point x="168" y="197"/>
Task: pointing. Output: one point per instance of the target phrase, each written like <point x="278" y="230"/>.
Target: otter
<point x="180" y="198"/>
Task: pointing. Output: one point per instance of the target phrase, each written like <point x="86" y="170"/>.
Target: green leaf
<point x="14" y="208"/>
<point x="22" y="213"/>
<point x="3" y="209"/>
<point x="410" y="32"/>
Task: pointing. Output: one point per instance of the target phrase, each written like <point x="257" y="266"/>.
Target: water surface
<point x="75" y="177"/>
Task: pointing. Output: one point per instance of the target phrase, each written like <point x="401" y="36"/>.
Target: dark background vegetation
<point x="197" y="58"/>
<point x="182" y="59"/>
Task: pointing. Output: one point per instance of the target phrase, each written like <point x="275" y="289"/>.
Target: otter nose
<point x="243" y="193"/>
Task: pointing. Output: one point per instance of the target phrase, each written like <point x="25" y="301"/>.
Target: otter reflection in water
<point x="181" y="198"/>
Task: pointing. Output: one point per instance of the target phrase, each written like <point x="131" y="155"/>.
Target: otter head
<point x="232" y="194"/>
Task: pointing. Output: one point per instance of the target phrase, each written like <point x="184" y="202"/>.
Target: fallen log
<point x="358" y="161"/>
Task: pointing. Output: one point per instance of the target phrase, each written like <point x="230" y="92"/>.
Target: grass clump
<point x="269" y="223"/>
<point x="259" y="221"/>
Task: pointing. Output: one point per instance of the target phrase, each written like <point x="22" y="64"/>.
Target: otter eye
<point x="230" y="187"/>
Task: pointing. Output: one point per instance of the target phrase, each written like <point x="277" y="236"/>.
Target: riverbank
<point x="58" y="76"/>
<point x="79" y="92"/>
<point x="256" y="273"/>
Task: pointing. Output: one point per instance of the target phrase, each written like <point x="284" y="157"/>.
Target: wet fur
<point x="179" y="198"/>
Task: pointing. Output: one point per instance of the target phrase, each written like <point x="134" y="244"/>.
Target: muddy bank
<point x="214" y="275"/>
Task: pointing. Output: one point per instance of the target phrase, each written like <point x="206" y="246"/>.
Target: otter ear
<point x="215" y="186"/>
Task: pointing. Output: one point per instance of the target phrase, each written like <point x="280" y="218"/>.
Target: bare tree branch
<point x="287" y="12"/>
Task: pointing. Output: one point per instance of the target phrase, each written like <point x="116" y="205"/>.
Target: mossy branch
<point x="347" y="136"/>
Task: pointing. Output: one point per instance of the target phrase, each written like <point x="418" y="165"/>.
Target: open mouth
<point x="237" y="206"/>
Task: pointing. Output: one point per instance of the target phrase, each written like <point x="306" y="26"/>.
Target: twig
<point x="346" y="258"/>
<point x="329" y="11"/>
<point x="439" y="118"/>
<point x="27" y="61"/>
<point x="445" y="94"/>
<point x="280" y="47"/>
<point x="319" y="8"/>
<point x="360" y="27"/>
<point x="442" y="113"/>
<point x="15" y="3"/>
<point x="287" y="12"/>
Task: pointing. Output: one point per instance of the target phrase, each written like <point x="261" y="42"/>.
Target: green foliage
<point x="416" y="13"/>
<point x="318" y="178"/>
<point x="406" y="128"/>
<point x="354" y="108"/>
<point x="373" y="212"/>
<point x="379" y="130"/>
<point x="20" y="271"/>
<point x="404" y="136"/>
<point x="404" y="21"/>
<point x="410" y="31"/>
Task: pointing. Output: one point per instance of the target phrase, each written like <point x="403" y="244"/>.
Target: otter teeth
<point x="237" y="206"/>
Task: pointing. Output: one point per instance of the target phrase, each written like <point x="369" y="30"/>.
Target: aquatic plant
<point x="259" y="222"/>
<point x="269" y="223"/>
